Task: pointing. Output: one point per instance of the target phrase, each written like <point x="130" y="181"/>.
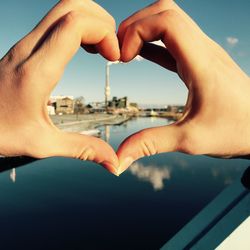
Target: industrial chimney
<point x="107" y="86"/>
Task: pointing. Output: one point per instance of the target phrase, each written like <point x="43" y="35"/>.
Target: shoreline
<point x="72" y="123"/>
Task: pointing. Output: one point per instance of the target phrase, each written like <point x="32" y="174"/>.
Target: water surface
<point x="62" y="203"/>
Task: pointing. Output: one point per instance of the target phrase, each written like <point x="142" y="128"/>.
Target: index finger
<point x="58" y="48"/>
<point x="31" y="41"/>
<point x="153" y="9"/>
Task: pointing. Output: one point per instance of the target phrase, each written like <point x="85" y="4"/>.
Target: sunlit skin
<point x="217" y="115"/>
<point x="30" y="71"/>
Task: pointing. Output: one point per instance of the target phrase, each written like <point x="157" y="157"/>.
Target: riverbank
<point x="173" y="116"/>
<point x="80" y="123"/>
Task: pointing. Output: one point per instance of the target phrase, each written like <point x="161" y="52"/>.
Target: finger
<point x="149" y="142"/>
<point x="109" y="47"/>
<point x="181" y="40"/>
<point x="73" y="145"/>
<point x="152" y="9"/>
<point x="88" y="8"/>
<point x="158" y="55"/>
<point x="57" y="49"/>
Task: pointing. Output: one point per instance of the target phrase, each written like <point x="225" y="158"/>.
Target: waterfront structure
<point x="118" y="106"/>
<point x="96" y="107"/>
<point x="170" y="112"/>
<point x="107" y="85"/>
<point x="51" y="109"/>
<point x="121" y="103"/>
<point x="63" y="104"/>
<point x="134" y="105"/>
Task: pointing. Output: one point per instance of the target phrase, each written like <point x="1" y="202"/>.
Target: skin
<point x="216" y="118"/>
<point x="217" y="115"/>
<point x="32" y="68"/>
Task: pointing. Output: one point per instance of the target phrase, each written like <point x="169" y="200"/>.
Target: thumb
<point x="83" y="147"/>
<point x="148" y="142"/>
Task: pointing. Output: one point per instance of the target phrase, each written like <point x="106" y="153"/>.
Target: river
<point x="60" y="203"/>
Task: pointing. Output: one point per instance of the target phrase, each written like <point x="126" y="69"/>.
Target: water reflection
<point x="225" y="173"/>
<point x="10" y="163"/>
<point x="107" y="133"/>
<point x="152" y="174"/>
<point x="153" y="119"/>
<point x="182" y="163"/>
<point x="13" y="175"/>
<point x="218" y="172"/>
<point x="65" y="193"/>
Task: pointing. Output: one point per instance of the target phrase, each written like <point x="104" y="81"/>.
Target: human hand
<point x="217" y="115"/>
<point x="30" y="71"/>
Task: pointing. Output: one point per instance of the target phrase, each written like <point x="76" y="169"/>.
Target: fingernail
<point x="110" y="167"/>
<point x="124" y="164"/>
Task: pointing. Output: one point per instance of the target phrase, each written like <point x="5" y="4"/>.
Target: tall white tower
<point x="107" y="86"/>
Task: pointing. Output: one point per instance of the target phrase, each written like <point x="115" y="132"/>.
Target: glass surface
<point x="61" y="203"/>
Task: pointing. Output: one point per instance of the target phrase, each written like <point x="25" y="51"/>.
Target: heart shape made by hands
<point x="31" y="69"/>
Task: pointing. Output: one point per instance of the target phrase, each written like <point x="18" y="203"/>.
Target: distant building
<point x="96" y="107"/>
<point x="170" y="108"/>
<point x="177" y="109"/>
<point x="51" y="109"/>
<point x="115" y="106"/>
<point x="116" y="103"/>
<point x="134" y="105"/>
<point x="63" y="104"/>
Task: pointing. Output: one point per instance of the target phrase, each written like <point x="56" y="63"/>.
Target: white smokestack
<point x="107" y="85"/>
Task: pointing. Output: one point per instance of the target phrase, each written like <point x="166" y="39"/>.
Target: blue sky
<point x="227" y="22"/>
